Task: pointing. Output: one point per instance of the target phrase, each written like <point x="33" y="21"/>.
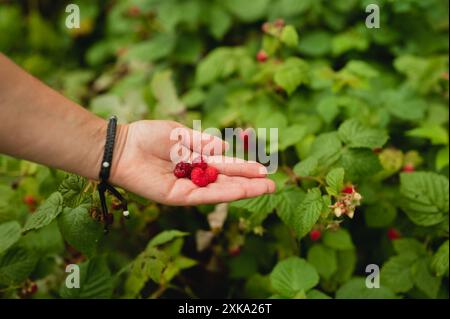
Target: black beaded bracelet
<point x="105" y="170"/>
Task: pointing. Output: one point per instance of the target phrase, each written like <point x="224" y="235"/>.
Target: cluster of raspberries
<point x="198" y="172"/>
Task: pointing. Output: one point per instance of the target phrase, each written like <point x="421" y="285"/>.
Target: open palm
<point x="144" y="167"/>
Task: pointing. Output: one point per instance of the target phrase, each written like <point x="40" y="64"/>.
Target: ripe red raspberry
<point x="199" y="177"/>
<point x="234" y="251"/>
<point x="211" y="173"/>
<point x="348" y="189"/>
<point x="29" y="200"/>
<point x="315" y="234"/>
<point x="393" y="234"/>
<point x="409" y="168"/>
<point x="182" y="169"/>
<point x="199" y="162"/>
<point x="261" y="56"/>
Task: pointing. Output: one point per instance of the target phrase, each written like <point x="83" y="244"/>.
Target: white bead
<point x="126" y="213"/>
<point x="105" y="164"/>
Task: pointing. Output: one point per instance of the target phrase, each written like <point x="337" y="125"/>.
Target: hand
<point x="143" y="166"/>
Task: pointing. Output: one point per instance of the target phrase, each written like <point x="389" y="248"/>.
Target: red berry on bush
<point x="409" y="168"/>
<point x="182" y="169"/>
<point x="393" y="234"/>
<point x="234" y="251"/>
<point x="348" y="189"/>
<point x="211" y="173"/>
<point x="315" y="234"/>
<point x="29" y="200"/>
<point x="261" y="56"/>
<point x="199" y="177"/>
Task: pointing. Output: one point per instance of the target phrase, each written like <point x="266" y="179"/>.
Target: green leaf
<point x="289" y="200"/>
<point x="439" y="262"/>
<point x="164" y="91"/>
<point x="424" y="279"/>
<point x="72" y="190"/>
<point x="442" y="158"/>
<point x="44" y="241"/>
<point x="46" y="212"/>
<point x="165" y="237"/>
<point x="308" y="212"/>
<point x="435" y="133"/>
<point x="293" y="275"/>
<point x="247" y="11"/>
<point x="396" y="273"/>
<point x="354" y="134"/>
<point x="346" y="262"/>
<point x="316" y="294"/>
<point x="291" y="135"/>
<point x="161" y="45"/>
<point x="359" y="163"/>
<point x="409" y="246"/>
<point x="380" y="215"/>
<point x="335" y="181"/>
<point x="328" y="109"/>
<point x="9" y="234"/>
<point x="219" y="21"/>
<point x="291" y="74"/>
<point x="16" y="264"/>
<point x="307" y="167"/>
<point x="289" y="36"/>
<point x="324" y="259"/>
<point x="356" y="289"/>
<point x="315" y="43"/>
<point x="339" y="239"/>
<point x="95" y="281"/>
<point x="326" y="148"/>
<point x="425" y="197"/>
<point x="80" y="230"/>
<point x="260" y="207"/>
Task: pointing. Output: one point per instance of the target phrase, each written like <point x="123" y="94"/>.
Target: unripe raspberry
<point x="279" y="23"/>
<point x="211" y="172"/>
<point x="182" y="170"/>
<point x="393" y="234"/>
<point x="199" y="177"/>
<point x="409" y="168"/>
<point x="261" y="56"/>
<point x="265" y="27"/>
<point x="315" y="234"/>
<point x="199" y="162"/>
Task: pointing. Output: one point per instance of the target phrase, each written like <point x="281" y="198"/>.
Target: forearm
<point x="40" y="125"/>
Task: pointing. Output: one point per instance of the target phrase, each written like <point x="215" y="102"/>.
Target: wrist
<point x="118" y="154"/>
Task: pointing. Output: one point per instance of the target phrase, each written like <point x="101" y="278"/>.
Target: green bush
<point x="353" y="105"/>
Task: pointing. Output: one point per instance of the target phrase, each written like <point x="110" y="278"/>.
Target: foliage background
<point x="353" y="105"/>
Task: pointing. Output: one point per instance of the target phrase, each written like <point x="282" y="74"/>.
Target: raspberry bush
<point x="363" y="147"/>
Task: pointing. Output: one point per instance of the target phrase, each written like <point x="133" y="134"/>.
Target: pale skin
<point x="40" y="125"/>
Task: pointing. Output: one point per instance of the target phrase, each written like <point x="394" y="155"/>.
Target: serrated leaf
<point x="308" y="212"/>
<point x="95" y="281"/>
<point x="380" y="215"/>
<point x="425" y="197"/>
<point x="289" y="36"/>
<point x="45" y="213"/>
<point x="291" y="74"/>
<point x="335" y="181"/>
<point x="288" y="202"/>
<point x="346" y="262"/>
<point x="354" y="134"/>
<point x="72" y="189"/>
<point x="359" y="163"/>
<point x="424" y="279"/>
<point x="324" y="259"/>
<point x="165" y="237"/>
<point x="396" y="273"/>
<point x="339" y="239"/>
<point x="293" y="275"/>
<point x="79" y="229"/>
<point x="356" y="289"/>
<point x="307" y="167"/>
<point x="16" y="264"/>
<point x="435" y="133"/>
<point x="409" y="246"/>
<point x="9" y="234"/>
<point x="44" y="241"/>
<point x="439" y="262"/>
<point x="260" y="207"/>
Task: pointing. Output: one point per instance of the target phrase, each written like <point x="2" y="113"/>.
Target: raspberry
<point x="261" y="56"/>
<point x="315" y="234"/>
<point x="199" y="162"/>
<point x="199" y="177"/>
<point x="234" y="251"/>
<point x="279" y="23"/>
<point x="408" y="168"/>
<point x="182" y="169"/>
<point x="29" y="200"/>
<point x="393" y="234"/>
<point x="211" y="173"/>
<point x="348" y="189"/>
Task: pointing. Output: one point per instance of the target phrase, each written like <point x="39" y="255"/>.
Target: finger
<point x="199" y="142"/>
<point x="232" y="166"/>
